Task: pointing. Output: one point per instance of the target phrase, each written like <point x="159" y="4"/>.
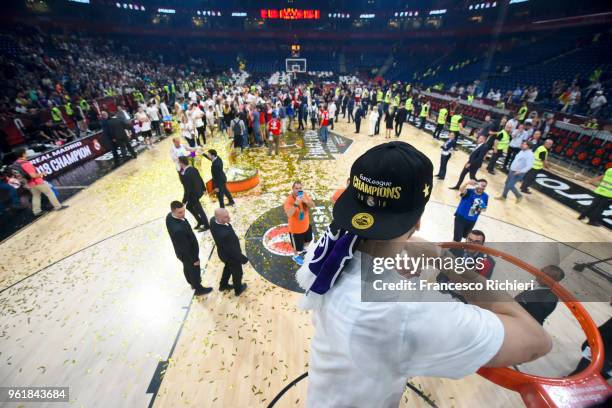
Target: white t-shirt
<point x="362" y="353"/>
<point x="332" y="110"/>
<point x="176" y="152"/>
<point x="186" y="130"/>
<point x="210" y="117"/>
<point x="597" y="101"/>
<point x="196" y="116"/>
<point x="513" y="123"/>
<point x="518" y="137"/>
<point x="153" y="113"/>
<point x="144" y="120"/>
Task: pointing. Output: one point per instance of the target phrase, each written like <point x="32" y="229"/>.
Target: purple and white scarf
<point x="323" y="266"/>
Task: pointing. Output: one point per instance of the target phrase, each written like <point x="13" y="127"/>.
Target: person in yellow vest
<point x="410" y="109"/>
<point x="56" y="115"/>
<point x="602" y="200"/>
<point x="379" y="95"/>
<point x="540" y="161"/>
<point x="500" y="146"/>
<point x="396" y="101"/>
<point x="387" y="100"/>
<point x="68" y="109"/>
<point x="424" y="114"/>
<point x="501" y="105"/>
<point x="591" y="124"/>
<point x="470" y="98"/>
<point x="442" y="115"/>
<point x="522" y="112"/>
<point x="84" y="106"/>
<point x="456" y="124"/>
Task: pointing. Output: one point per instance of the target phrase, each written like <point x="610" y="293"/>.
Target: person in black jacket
<point x="219" y="178"/>
<point x="474" y="161"/>
<point x="447" y="150"/>
<point x="193" y="186"/>
<point x="116" y="130"/>
<point x="400" y="118"/>
<point x="228" y="249"/>
<point x="359" y="114"/>
<point x="541" y="302"/>
<point x="107" y="139"/>
<point x="185" y="246"/>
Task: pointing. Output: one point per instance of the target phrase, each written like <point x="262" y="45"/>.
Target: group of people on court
<point x="181" y="233"/>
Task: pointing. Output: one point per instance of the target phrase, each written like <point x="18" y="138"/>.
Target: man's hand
<point x="516" y="173"/>
<point x="216" y="190"/>
<point x="196" y="263"/>
<point x="467" y="166"/>
<point x="299" y="201"/>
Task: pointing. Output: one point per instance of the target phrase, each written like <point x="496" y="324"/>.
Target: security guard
<point x="592" y="124"/>
<point x="396" y="101"/>
<point x="138" y="96"/>
<point x="501" y="105"/>
<point x="456" y="126"/>
<point x="500" y="147"/>
<point x="442" y="115"/>
<point x="540" y="161"/>
<point x="56" y="115"/>
<point x="470" y="98"/>
<point x="602" y="200"/>
<point x="68" y="108"/>
<point x="410" y="108"/>
<point x="84" y="106"/>
<point x="387" y="100"/>
<point x="522" y="112"/>
<point x="379" y="95"/>
<point x="424" y="114"/>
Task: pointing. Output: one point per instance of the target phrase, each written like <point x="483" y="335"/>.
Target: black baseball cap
<point x="389" y="187"/>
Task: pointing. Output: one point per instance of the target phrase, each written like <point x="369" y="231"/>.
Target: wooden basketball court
<point x="94" y="299"/>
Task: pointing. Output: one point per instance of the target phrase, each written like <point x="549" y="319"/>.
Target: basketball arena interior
<point x="292" y="203"/>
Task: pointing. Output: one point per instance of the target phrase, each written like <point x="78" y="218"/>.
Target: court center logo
<point x="268" y="243"/>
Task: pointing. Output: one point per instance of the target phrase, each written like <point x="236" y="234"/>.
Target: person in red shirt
<point x="477" y="237"/>
<point x="324" y="123"/>
<point x="274" y="131"/>
<point x="36" y="184"/>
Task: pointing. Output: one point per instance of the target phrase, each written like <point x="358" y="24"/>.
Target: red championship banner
<point x="69" y="156"/>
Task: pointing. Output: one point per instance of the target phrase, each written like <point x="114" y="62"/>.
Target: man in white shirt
<point x="518" y="136"/>
<point x="196" y="117"/>
<point x="521" y="164"/>
<point x="362" y="353"/>
<point x="210" y="119"/>
<point x="597" y="102"/>
<point x="153" y="113"/>
<point x="179" y="150"/>
<point x="331" y="109"/>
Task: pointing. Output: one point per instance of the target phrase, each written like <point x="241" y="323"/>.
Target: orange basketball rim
<point x="582" y="390"/>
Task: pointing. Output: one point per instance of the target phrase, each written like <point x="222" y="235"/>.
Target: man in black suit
<point x="541" y="302"/>
<point x="193" y="187"/>
<point x="219" y="179"/>
<point x="474" y="161"/>
<point x="107" y="139"/>
<point x="359" y="114"/>
<point x="185" y="246"/>
<point x="228" y="248"/>
<point x="116" y="130"/>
